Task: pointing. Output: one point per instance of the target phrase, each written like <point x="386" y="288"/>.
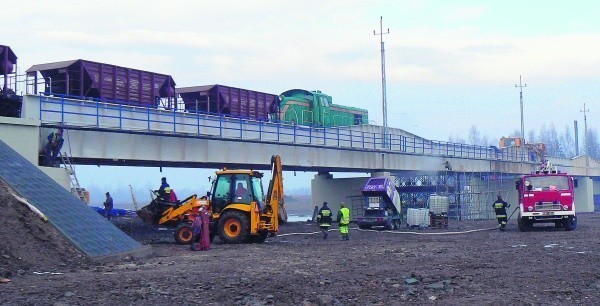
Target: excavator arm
<point x="188" y="206"/>
<point x="275" y="192"/>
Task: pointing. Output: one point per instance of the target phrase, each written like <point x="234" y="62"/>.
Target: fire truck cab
<point x="546" y="196"/>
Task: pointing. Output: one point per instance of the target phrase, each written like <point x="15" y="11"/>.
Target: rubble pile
<point x="30" y="244"/>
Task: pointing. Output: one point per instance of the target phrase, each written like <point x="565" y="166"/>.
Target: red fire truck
<point x="546" y="196"/>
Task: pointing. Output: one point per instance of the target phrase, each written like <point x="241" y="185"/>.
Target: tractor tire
<point x="213" y="231"/>
<point x="234" y="227"/>
<point x="570" y="223"/>
<point x="524" y="224"/>
<point x="259" y="238"/>
<point x="184" y="233"/>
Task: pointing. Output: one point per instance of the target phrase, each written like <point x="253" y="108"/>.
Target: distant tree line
<point x="558" y="144"/>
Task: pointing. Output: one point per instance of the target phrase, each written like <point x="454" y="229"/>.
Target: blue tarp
<point x="115" y="212"/>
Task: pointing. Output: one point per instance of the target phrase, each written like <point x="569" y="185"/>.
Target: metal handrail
<point x="120" y="115"/>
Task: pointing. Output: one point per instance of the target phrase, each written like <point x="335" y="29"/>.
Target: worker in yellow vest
<point x="344" y="220"/>
<point x="164" y="192"/>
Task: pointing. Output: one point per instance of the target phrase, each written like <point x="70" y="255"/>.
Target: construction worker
<point x="240" y="191"/>
<point x="343" y="218"/>
<point x="52" y="149"/>
<point x="500" y="207"/>
<point x="324" y="219"/>
<point x="164" y="192"/>
<point x="108" y="205"/>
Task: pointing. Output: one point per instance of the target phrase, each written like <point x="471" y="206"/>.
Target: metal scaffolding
<point x="470" y="194"/>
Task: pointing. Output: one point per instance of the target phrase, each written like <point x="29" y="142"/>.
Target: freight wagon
<point x="86" y="79"/>
<point x="8" y="61"/>
<point x="10" y="103"/>
<point x="230" y="101"/>
<point x="316" y="108"/>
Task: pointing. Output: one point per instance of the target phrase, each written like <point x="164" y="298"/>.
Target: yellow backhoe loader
<point x="240" y="211"/>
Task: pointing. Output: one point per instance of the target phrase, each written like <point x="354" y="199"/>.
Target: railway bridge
<point x="100" y="133"/>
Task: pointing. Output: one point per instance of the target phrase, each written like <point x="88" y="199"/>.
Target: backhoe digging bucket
<point x="282" y="213"/>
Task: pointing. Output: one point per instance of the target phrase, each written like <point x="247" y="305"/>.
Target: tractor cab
<point x="236" y="187"/>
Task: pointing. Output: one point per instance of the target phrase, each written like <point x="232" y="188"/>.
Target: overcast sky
<point x="449" y="64"/>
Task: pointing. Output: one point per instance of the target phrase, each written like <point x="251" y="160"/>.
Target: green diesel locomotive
<point x="314" y="108"/>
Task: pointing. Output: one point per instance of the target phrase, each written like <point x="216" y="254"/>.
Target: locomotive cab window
<point x="357" y="119"/>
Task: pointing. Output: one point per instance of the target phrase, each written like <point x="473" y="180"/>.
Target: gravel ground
<point x="546" y="266"/>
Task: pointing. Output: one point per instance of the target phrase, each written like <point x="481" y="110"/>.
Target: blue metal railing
<point x="60" y="109"/>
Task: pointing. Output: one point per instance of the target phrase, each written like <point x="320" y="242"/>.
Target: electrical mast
<point x="520" y="86"/>
<point x="585" y="130"/>
<point x="383" y="92"/>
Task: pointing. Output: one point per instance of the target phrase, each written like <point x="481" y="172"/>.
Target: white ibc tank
<point x="438" y="204"/>
<point x="417" y="217"/>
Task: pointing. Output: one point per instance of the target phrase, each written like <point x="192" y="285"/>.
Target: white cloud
<point x="470" y="12"/>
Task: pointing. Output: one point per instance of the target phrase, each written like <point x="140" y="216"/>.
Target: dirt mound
<point x="28" y="243"/>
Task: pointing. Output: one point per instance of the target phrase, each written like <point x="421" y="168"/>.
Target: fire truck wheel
<point x="570" y="223"/>
<point x="234" y="227"/>
<point x="184" y="233"/>
<point x="524" y="224"/>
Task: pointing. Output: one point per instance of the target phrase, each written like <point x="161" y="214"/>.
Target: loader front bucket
<point x="150" y="213"/>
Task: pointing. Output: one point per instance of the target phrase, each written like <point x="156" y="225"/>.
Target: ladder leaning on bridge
<point x="75" y="187"/>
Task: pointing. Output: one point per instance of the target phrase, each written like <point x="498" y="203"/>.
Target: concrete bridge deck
<point x="98" y="133"/>
<point x="109" y="134"/>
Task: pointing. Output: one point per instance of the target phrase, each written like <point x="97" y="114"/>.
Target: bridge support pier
<point x="584" y="195"/>
<point x="596" y="195"/>
<point x="334" y="191"/>
<point x="324" y="188"/>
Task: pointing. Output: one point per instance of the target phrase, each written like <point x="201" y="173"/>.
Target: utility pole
<point x="576" y="138"/>
<point x="520" y="86"/>
<point x="383" y="92"/>
<point x="585" y="129"/>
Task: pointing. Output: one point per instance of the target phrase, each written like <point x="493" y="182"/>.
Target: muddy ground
<point x="547" y="266"/>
